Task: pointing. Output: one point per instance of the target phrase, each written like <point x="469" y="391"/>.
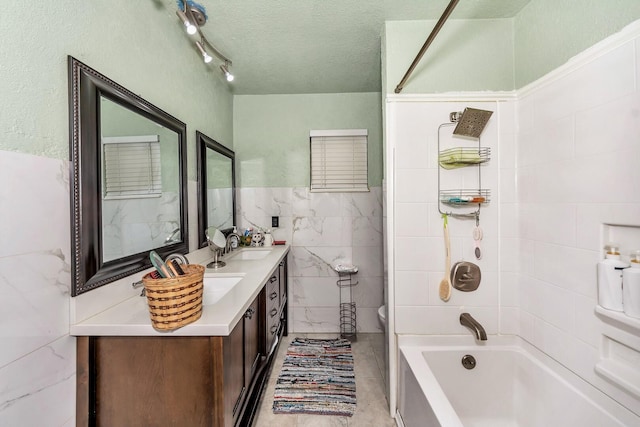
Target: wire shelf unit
<point x="460" y="157"/>
<point x="348" y="317"/>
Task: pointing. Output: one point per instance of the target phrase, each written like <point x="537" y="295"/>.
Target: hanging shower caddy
<point x="468" y="124"/>
<point x="346" y="283"/>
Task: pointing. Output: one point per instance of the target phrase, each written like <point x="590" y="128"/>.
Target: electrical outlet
<point x="275" y="221"/>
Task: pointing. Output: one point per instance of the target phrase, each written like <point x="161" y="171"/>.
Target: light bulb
<point x="205" y="55"/>
<point x="225" y="71"/>
<point x="191" y="29"/>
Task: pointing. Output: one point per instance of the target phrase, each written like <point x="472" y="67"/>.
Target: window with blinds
<point x="339" y="160"/>
<point x="131" y="167"/>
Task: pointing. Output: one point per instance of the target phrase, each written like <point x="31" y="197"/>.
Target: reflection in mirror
<point x="140" y="183"/>
<point x="128" y="183"/>
<point x="216" y="186"/>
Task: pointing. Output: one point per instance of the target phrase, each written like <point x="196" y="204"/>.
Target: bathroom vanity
<point x="208" y="373"/>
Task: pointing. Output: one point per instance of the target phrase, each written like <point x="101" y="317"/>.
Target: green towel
<point x="452" y="159"/>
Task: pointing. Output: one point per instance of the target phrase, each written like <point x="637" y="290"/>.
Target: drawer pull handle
<point x="273" y="279"/>
<point x="273" y="312"/>
<point x="249" y="313"/>
<point x="274" y="328"/>
<point x="273" y="295"/>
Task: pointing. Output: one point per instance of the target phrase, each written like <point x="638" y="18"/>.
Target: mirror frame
<point x="86" y="86"/>
<point x="204" y="143"/>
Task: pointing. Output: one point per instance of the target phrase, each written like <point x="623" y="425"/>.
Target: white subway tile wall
<point x="565" y="162"/>
<point x="578" y="157"/>
<point x="418" y="236"/>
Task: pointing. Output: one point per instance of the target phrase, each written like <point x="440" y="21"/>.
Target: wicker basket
<point x="175" y="302"/>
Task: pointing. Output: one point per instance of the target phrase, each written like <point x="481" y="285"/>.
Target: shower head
<point x="471" y="122"/>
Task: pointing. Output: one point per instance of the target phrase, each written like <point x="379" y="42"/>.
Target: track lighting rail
<point x="193" y="19"/>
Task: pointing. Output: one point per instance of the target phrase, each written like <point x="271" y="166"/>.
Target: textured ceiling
<point x="318" y="46"/>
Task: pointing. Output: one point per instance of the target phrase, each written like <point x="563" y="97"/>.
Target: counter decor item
<point x="268" y="238"/>
<point x="175" y="301"/>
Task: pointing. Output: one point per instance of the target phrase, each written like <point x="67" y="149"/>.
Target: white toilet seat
<point x="382" y="314"/>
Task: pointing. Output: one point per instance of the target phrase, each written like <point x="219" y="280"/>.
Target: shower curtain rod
<point x="427" y="43"/>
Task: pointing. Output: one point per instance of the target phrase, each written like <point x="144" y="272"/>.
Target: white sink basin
<point x="216" y="287"/>
<point x="251" y="254"/>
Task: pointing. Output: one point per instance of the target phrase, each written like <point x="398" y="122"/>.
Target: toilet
<point x="382" y="315"/>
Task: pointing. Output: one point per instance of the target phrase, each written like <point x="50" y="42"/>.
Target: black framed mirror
<point x="128" y="180"/>
<point x="216" y="186"/>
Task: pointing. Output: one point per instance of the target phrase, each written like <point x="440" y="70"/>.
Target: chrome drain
<point x="468" y="361"/>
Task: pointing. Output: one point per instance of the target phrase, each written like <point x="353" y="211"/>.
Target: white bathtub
<point x="513" y="384"/>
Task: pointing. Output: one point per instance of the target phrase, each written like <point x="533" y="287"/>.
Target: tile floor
<point x="372" y="409"/>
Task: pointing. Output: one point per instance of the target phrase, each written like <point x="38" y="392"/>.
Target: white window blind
<point x="131" y="167"/>
<point x="339" y="160"/>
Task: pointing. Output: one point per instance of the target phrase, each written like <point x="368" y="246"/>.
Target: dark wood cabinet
<point x="234" y="374"/>
<point x="181" y="381"/>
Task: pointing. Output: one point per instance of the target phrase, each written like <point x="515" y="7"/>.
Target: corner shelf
<point x="619" y="350"/>
<point x="618" y="317"/>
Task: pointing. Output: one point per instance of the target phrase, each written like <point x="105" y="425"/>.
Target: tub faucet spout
<point x="467" y="320"/>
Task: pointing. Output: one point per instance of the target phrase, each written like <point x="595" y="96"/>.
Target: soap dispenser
<point x="631" y="286"/>
<point x="610" y="279"/>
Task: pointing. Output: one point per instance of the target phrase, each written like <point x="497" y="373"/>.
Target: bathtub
<point x="512" y="384"/>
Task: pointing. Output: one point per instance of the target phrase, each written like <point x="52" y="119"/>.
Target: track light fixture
<point x="225" y="70"/>
<point x="207" y="58"/>
<point x="191" y="29"/>
<point x="193" y="16"/>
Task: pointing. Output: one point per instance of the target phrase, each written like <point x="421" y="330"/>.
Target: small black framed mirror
<point x="128" y="180"/>
<point x="216" y="186"/>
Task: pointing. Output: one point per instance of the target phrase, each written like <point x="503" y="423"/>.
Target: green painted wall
<point x="271" y="134"/>
<point x="140" y="44"/>
<point x="547" y="33"/>
<point x="467" y="55"/>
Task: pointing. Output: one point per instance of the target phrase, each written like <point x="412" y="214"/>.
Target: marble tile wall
<point x="37" y="355"/>
<point x="219" y="206"/>
<point x="132" y="226"/>
<point x="323" y="229"/>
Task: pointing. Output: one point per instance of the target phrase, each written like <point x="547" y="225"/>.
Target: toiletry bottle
<point x="610" y="279"/>
<point x="631" y="286"/>
<point x="268" y="238"/>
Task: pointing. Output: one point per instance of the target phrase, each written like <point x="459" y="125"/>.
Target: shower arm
<point x="427" y="43"/>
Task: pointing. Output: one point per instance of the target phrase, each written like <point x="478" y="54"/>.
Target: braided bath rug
<point x="317" y="378"/>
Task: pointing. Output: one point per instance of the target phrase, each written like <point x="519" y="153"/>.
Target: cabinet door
<point x="284" y="295"/>
<point x="234" y="384"/>
<point x="251" y="341"/>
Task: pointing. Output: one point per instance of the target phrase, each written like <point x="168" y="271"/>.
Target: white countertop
<point x="131" y="316"/>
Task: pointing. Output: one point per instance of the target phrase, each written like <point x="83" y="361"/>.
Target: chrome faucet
<point x="227" y="247"/>
<point x="173" y="237"/>
<point x="467" y="320"/>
